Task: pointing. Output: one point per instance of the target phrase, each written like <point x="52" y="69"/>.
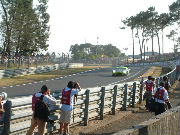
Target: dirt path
<point x="125" y="119"/>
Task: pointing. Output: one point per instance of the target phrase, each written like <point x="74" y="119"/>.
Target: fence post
<point x="86" y="112"/>
<point x="141" y="91"/>
<point x="114" y="100"/>
<point x="134" y="94"/>
<point x="174" y="77"/>
<point x="7" y="118"/>
<point x="102" y="103"/>
<point x="125" y="97"/>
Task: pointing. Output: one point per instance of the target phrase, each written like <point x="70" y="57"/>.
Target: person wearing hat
<point x="45" y="95"/>
<point x="167" y="84"/>
<point x="67" y="101"/>
<point x="3" y="97"/>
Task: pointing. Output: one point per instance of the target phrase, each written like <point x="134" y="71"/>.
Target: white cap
<point x="4" y="95"/>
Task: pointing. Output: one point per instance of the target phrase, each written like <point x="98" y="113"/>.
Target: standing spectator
<point x="161" y="99"/>
<point x="3" y="97"/>
<point x="67" y="101"/>
<point x="154" y="81"/>
<point x="167" y="84"/>
<point x="149" y="86"/>
<point x="157" y="82"/>
<point x="5" y="112"/>
<point x="44" y="95"/>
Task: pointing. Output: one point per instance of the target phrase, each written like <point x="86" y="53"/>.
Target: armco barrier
<point x="92" y="103"/>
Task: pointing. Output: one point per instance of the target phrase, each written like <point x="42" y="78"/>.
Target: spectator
<point x="167" y="84"/>
<point x="67" y="102"/>
<point x="3" y="97"/>
<point x="161" y="99"/>
<point x="157" y="82"/>
<point x="154" y="81"/>
<point x="149" y="86"/>
<point x="45" y="95"/>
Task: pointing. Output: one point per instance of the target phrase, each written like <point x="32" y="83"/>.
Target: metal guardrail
<point x="92" y="103"/>
<point x="162" y="64"/>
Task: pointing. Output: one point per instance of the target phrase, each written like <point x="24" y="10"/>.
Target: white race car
<point x="120" y="71"/>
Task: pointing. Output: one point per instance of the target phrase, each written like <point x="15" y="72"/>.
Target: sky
<point x="82" y="21"/>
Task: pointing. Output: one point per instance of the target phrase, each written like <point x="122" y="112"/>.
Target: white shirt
<point x="48" y="99"/>
<point x="165" y="96"/>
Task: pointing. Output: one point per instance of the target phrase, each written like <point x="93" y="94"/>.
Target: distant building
<point x="147" y="55"/>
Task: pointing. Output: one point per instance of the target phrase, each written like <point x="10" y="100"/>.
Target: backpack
<point x="41" y="110"/>
<point x="34" y="101"/>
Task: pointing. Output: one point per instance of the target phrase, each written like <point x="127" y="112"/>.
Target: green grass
<point x="39" y="77"/>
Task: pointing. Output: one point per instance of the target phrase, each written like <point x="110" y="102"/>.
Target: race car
<point x="120" y="71"/>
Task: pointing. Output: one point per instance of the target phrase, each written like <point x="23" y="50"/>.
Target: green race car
<point x="120" y="71"/>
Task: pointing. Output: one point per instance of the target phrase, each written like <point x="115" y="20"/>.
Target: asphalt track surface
<point x="93" y="78"/>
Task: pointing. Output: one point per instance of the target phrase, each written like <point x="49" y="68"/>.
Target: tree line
<point x="24" y="27"/>
<point x="88" y="51"/>
<point x="149" y="24"/>
<point x="25" y="30"/>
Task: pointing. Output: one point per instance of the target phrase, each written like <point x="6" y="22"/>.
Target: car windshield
<point x="120" y="69"/>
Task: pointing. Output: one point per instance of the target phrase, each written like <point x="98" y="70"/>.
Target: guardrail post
<point x="114" y="100"/>
<point x="125" y="97"/>
<point x="7" y="118"/>
<point x="141" y="92"/>
<point x="174" y="77"/>
<point x="170" y="77"/>
<point x="102" y="103"/>
<point x="86" y="112"/>
<point x="134" y="94"/>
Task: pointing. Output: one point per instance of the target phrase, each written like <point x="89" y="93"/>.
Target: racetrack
<point x="93" y="78"/>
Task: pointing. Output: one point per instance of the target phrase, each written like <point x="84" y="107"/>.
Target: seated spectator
<point x="161" y="99"/>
